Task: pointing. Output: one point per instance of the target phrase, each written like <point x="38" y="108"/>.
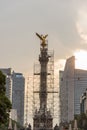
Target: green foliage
<point x="4" y="126"/>
<point x="2" y="83"/>
<point x="82" y="121"/>
<point x="5" y="104"/>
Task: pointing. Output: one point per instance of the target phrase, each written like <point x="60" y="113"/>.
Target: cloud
<point x="19" y="20"/>
<point x="68" y="38"/>
<point x="67" y="31"/>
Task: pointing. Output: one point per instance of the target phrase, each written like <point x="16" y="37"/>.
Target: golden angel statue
<point x="43" y="39"/>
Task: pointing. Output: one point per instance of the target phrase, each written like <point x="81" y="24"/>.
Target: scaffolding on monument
<point x="50" y="86"/>
<point x="43" y="89"/>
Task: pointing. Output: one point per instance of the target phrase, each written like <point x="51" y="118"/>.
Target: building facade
<point x="73" y="83"/>
<point x="15" y="91"/>
<point x="18" y="93"/>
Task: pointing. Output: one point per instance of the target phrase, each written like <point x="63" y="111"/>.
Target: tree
<point x="82" y="121"/>
<point x="5" y="104"/>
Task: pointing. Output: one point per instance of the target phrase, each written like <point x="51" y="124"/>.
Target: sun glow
<point x="81" y="59"/>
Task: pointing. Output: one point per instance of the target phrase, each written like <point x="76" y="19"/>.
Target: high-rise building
<point x="18" y="93"/>
<point x="73" y="83"/>
<point x="15" y="89"/>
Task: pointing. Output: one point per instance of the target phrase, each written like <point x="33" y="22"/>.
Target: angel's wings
<point x="39" y="36"/>
<point x="43" y="39"/>
<point x="45" y="36"/>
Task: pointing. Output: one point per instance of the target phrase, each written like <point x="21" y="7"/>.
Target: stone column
<point x="10" y="124"/>
<point x="75" y="125"/>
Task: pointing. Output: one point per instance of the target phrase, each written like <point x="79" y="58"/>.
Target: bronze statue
<point x="43" y="39"/>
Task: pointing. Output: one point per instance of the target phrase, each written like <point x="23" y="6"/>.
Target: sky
<point x="65" y="22"/>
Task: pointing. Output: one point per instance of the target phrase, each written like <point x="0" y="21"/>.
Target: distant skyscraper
<point x="15" y="89"/>
<point x="18" y="93"/>
<point x="73" y="83"/>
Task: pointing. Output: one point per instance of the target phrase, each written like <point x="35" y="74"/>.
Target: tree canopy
<point x="5" y="104"/>
<point x="82" y="121"/>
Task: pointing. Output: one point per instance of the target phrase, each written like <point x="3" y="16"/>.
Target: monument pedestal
<point x="42" y="122"/>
